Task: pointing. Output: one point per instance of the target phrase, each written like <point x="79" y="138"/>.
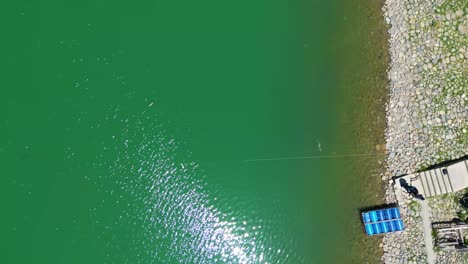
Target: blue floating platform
<point x="382" y="221"/>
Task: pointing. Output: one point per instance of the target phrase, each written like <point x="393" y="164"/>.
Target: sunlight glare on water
<point x="163" y="195"/>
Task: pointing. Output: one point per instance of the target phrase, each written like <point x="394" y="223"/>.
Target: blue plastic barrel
<point x="376" y="228"/>
<point x="380" y="215"/>
<point x="369" y="229"/>
<point x="383" y="227"/>
<point x="365" y="217"/>
<point x="398" y="226"/>
<point x="391" y="226"/>
<point x="392" y="213"/>
<point x="396" y="213"/>
<point x="388" y="214"/>
<point x="373" y="216"/>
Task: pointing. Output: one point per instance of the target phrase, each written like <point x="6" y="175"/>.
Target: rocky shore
<point x="426" y="111"/>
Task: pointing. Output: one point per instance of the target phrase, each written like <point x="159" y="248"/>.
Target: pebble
<point x="426" y="113"/>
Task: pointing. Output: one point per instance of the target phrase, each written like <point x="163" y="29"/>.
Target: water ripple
<point x="173" y="216"/>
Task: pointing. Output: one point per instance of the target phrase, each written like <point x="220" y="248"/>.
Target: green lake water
<point x="136" y="132"/>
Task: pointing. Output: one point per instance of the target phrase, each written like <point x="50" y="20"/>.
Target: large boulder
<point x="463" y="28"/>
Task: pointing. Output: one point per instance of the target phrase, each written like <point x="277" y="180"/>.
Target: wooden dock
<point x="441" y="180"/>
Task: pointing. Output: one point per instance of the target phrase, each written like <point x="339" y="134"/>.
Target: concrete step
<point x="429" y="191"/>
<point x="458" y="174"/>
<point x="446" y="180"/>
<point x="431" y="183"/>
<point x="440" y="179"/>
<point x="422" y="186"/>
<point x="437" y="183"/>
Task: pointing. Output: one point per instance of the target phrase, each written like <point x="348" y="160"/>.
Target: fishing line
<point x="316" y="157"/>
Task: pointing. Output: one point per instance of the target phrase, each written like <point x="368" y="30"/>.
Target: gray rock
<point x="463" y="28"/>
